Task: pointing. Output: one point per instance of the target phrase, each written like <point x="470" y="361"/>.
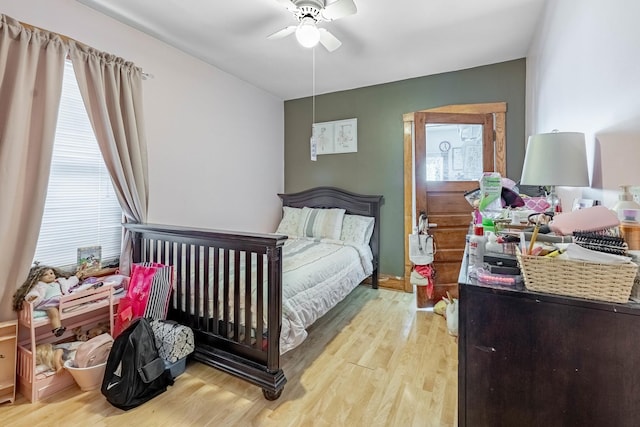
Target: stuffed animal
<point x="48" y="355"/>
<point x="99" y="329"/>
<point x="440" y="307"/>
<point x="80" y="334"/>
<point x="451" y="314"/>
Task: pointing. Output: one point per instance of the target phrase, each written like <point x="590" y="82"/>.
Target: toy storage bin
<point x="87" y="378"/>
<point x="174" y="342"/>
<point x="176" y="368"/>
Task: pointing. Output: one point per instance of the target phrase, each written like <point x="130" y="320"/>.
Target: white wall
<point x="583" y="75"/>
<point x="215" y="143"/>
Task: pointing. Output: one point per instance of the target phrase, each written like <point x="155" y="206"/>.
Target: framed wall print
<point x="340" y="136"/>
<point x="323" y="136"/>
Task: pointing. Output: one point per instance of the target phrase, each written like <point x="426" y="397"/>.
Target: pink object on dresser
<point x="537" y="204"/>
<point x="589" y="219"/>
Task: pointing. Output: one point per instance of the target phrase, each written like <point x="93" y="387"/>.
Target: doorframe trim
<point x="498" y="109"/>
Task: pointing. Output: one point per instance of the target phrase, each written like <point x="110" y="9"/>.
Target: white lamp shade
<point x="307" y="33"/>
<point x="557" y="158"/>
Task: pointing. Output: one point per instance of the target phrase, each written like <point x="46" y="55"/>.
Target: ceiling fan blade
<point x="339" y="9"/>
<point x="328" y="40"/>
<point x="288" y="4"/>
<point x="282" y="33"/>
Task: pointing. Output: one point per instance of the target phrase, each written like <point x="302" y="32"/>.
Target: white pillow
<point x="290" y="222"/>
<point x="357" y="229"/>
<point x="321" y="223"/>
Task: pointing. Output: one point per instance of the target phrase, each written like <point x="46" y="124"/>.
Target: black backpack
<point x="135" y="372"/>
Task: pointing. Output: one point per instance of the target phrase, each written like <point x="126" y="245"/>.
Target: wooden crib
<point x="242" y="342"/>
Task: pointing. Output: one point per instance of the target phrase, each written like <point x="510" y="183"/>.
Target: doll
<point x="43" y="288"/>
<point x="53" y="356"/>
<point x="47" y="354"/>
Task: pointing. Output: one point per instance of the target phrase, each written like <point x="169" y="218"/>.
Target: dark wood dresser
<point x="531" y="359"/>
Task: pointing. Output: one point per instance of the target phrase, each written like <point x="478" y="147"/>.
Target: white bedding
<point x="317" y="274"/>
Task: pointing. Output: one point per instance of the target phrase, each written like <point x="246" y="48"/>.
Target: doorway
<point x="445" y="151"/>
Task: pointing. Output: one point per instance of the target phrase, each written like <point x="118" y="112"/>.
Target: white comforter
<point x="316" y="276"/>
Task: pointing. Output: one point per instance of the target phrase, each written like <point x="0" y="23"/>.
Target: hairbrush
<point x="607" y="241"/>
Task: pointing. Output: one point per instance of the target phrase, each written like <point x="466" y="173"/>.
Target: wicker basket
<point x="582" y="279"/>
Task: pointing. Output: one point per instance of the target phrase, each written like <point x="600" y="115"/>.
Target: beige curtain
<point x="112" y="92"/>
<point x="31" y="71"/>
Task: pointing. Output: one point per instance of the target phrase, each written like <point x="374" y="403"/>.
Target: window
<point x="454" y="152"/>
<point x="81" y="208"/>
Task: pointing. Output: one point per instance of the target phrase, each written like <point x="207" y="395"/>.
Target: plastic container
<point x="476" y="250"/>
<point x="626" y="208"/>
<point x="177" y="367"/>
<point x="506" y="280"/>
<point x="488" y="225"/>
<point x="631" y="234"/>
<point x="87" y="378"/>
<point x="492" y="244"/>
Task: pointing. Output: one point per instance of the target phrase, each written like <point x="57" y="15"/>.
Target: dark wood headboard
<point x="352" y="203"/>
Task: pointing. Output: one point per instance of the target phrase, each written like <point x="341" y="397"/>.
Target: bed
<point x="249" y="297"/>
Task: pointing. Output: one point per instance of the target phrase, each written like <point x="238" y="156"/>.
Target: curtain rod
<point x="67" y="39"/>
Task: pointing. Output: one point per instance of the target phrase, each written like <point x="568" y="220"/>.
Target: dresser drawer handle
<point x="485" y="349"/>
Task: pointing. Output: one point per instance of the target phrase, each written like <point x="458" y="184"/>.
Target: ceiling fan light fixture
<point x="307" y="33"/>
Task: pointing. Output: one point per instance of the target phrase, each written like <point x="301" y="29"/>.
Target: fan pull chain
<point x="313" y="104"/>
<point x="313" y="86"/>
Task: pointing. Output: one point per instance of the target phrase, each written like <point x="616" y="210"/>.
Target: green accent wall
<point x="377" y="167"/>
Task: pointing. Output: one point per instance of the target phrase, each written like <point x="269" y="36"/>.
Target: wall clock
<point x="445" y="146"/>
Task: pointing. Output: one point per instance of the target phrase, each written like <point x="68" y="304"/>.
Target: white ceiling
<point x="385" y="41"/>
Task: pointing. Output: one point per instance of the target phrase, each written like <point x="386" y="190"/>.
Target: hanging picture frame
<point x="335" y="137"/>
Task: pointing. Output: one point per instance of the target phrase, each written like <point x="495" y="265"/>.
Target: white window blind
<point x="81" y="208"/>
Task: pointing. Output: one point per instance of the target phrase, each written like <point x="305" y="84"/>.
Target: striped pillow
<point x="321" y="223"/>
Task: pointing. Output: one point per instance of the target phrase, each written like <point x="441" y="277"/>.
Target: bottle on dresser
<point x="477" y="243"/>
<point x="492" y="244"/>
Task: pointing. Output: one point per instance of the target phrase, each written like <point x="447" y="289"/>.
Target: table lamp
<point x="556" y="158"/>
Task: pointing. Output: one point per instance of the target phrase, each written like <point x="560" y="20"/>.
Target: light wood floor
<point x="374" y="360"/>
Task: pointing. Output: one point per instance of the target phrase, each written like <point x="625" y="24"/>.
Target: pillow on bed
<point x="321" y="223"/>
<point x="290" y="222"/>
<point x="357" y="229"/>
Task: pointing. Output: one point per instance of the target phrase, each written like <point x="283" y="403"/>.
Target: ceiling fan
<point x="309" y="13"/>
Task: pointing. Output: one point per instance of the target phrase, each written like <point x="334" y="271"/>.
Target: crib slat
<point x="248" y="286"/>
<point x="236" y="296"/>
<point x="197" y="301"/>
<point x="205" y="283"/>
<point x="259" y="301"/>
<point x="171" y="261"/>
<point x="215" y="282"/>
<point x="180" y="285"/>
<point x="225" y="307"/>
<point x="188" y="271"/>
